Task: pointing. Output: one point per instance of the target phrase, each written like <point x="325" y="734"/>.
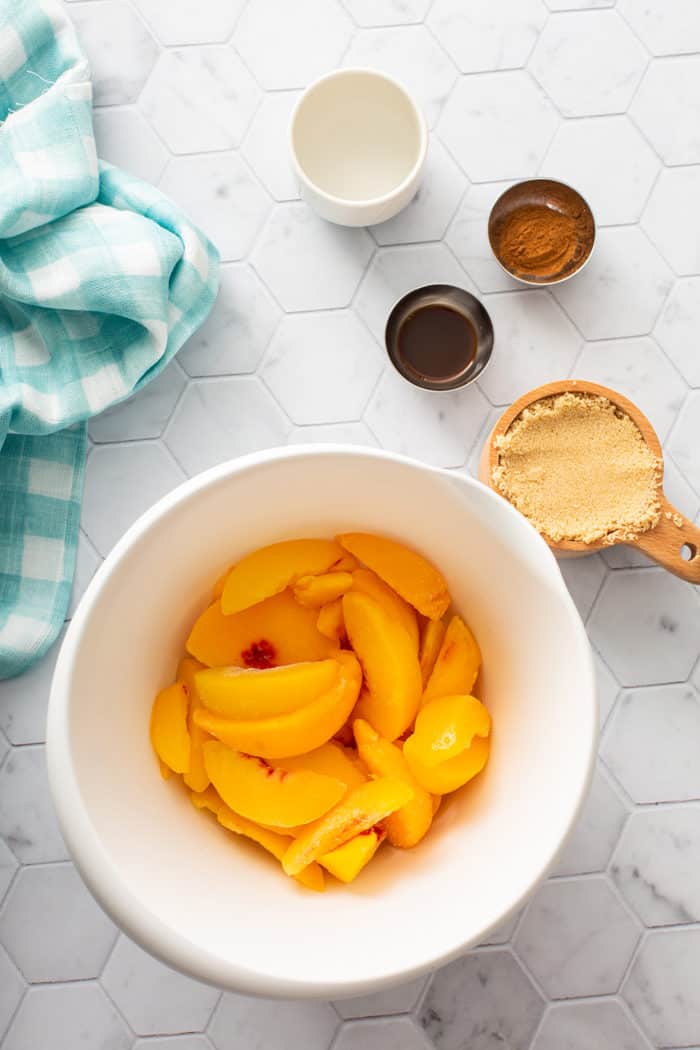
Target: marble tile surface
<point x="195" y="97"/>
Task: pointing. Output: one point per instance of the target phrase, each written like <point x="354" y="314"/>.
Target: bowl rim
<point x="82" y="838"/>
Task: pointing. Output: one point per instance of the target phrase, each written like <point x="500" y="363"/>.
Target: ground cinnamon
<point x="546" y="237"/>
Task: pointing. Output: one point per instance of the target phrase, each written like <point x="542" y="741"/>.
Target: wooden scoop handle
<point x="674" y="543"/>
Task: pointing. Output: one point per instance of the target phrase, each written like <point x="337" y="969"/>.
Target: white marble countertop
<point x="194" y="95"/>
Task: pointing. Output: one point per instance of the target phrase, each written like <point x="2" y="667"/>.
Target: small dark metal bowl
<point x="462" y="302"/>
<point x="541" y="191"/>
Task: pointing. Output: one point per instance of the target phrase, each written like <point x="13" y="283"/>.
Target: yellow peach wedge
<point x="274" y="632"/>
<point x="408" y="825"/>
<point x="169" y="736"/>
<point x="367" y="582"/>
<point x="452" y="774"/>
<point x="218" y="588"/>
<point x="390" y="663"/>
<point x="298" y="731"/>
<point x="315" y="591"/>
<point x="405" y="570"/>
<point x="245" y="692"/>
<point x="346" y="563"/>
<point x="312" y="876"/>
<point x="253" y="789"/>
<point x="269" y="570"/>
<point x="457" y="664"/>
<point x="446" y="726"/>
<point x="207" y="799"/>
<point x="347" y="861"/>
<point x="360" y="810"/>
<point x="330" y="620"/>
<point x="196" y="776"/>
<point x="331" y="760"/>
<point x="431" y="639"/>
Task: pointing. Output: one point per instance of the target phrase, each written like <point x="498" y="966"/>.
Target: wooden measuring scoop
<point x="673" y="543"/>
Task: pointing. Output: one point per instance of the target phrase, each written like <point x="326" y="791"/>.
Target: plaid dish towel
<point x="102" y="279"/>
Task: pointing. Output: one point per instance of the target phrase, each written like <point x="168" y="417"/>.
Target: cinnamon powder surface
<point x="578" y="467"/>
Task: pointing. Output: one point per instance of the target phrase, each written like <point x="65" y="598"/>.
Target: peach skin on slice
<point x="367" y="582"/>
<point x="271" y="569"/>
<point x="330" y="759"/>
<point x="452" y="774"/>
<point x="245" y="692"/>
<point x="297" y="732"/>
<point x="405" y="570"/>
<point x="253" y="789"/>
<point x="169" y="736"/>
<point x="457" y="664"/>
<point x="347" y="861"/>
<point x="359" y="810"/>
<point x="431" y="640"/>
<point x="390" y="663"/>
<point x="315" y="591"/>
<point x="408" y="825"/>
<point x="274" y="632"/>
<point x="312" y="877"/>
<point x="196" y="777"/>
<point x="446" y="726"/>
<point x="330" y="620"/>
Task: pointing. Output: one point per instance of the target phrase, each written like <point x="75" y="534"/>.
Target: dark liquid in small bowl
<point x="436" y="342"/>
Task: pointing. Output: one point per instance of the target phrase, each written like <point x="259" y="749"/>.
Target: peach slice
<point x="329" y="759"/>
<point x="407" y="826"/>
<point x="253" y="789"/>
<point x="196" y="776"/>
<point x="269" y="570"/>
<point x="299" y="731"/>
<point x="218" y="588"/>
<point x="407" y="572"/>
<point x="446" y="726"/>
<point x="165" y="771"/>
<point x="207" y="799"/>
<point x="367" y="582"/>
<point x="169" y="736"/>
<point x="315" y="591"/>
<point x="274" y="632"/>
<point x="245" y="693"/>
<point x="457" y="664"/>
<point x="312" y="876"/>
<point x="452" y="774"/>
<point x="330" y="620"/>
<point x="360" y="810"/>
<point x="347" y="861"/>
<point x="431" y="640"/>
<point x="390" y="663"/>
<point x="345" y="564"/>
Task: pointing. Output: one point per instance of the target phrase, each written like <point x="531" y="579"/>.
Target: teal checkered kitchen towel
<point x="102" y="279"/>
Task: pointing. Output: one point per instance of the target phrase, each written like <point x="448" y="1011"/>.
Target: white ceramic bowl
<point x="219" y="909"/>
<point x="358" y="144"/>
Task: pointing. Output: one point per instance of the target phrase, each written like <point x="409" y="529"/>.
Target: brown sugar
<point x="578" y="467"/>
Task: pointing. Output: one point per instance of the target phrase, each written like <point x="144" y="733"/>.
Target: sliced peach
<point x="446" y="726"/>
<point x="408" y="572"/>
<point x="407" y="826"/>
<point x="345" y="564"/>
<point x="330" y="759"/>
<point x="359" y="810"/>
<point x="165" y="771"/>
<point x="330" y="620"/>
<point x="218" y="588"/>
<point x="315" y="591"/>
<point x="169" y="736"/>
<point x="452" y="774"/>
<point x="196" y="777"/>
<point x="207" y="799"/>
<point x="431" y="639"/>
<point x="274" y="632"/>
<point x="347" y="861"/>
<point x="312" y="877"/>
<point x="367" y="582"/>
<point x="245" y="692"/>
<point x="255" y="790"/>
<point x="269" y="570"/>
<point x="457" y="664"/>
<point x="390" y="663"/>
<point x="299" y="731"/>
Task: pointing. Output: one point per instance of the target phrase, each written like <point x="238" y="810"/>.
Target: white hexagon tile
<point x="604" y="94"/>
